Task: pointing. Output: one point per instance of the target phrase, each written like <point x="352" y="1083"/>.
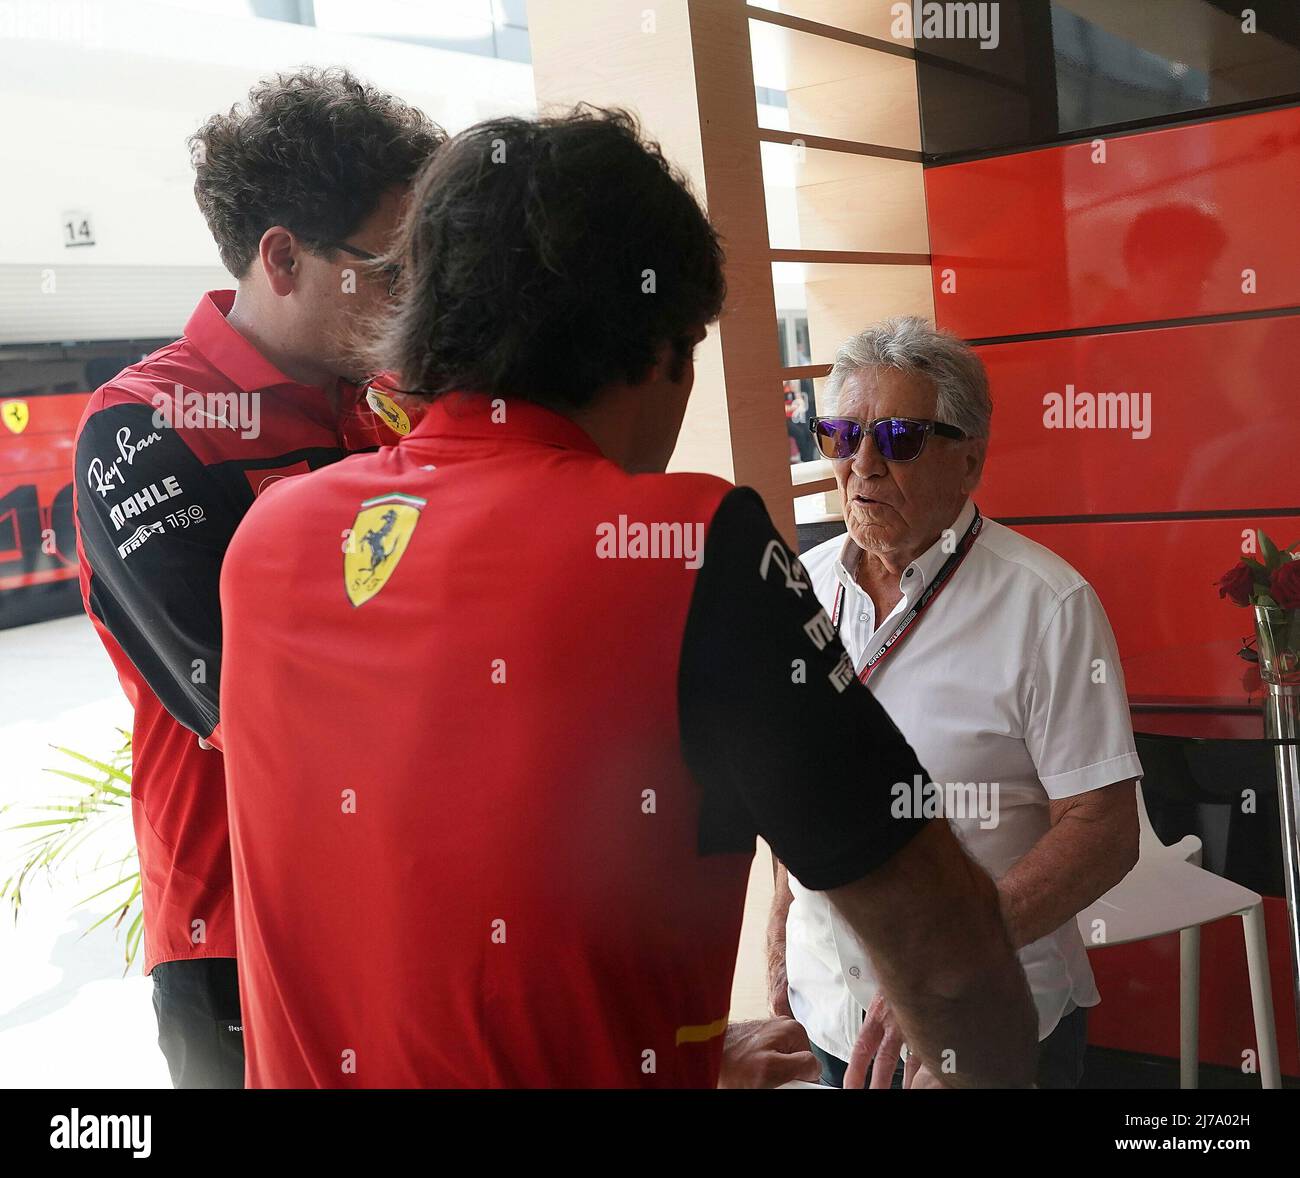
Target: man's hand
<point x="765" y="1053"/>
<point x="939" y="950"/>
<point x="881" y="1040"/>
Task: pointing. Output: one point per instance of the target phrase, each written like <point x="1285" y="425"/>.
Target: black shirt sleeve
<point x="782" y="737"/>
<point x="154" y="527"/>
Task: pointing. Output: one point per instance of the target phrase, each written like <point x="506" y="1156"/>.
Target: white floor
<point x="68" y="1016"/>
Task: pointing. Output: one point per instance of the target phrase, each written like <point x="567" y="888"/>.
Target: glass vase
<point x="1278" y="634"/>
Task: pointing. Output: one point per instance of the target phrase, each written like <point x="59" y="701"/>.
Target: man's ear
<point x="978" y="448"/>
<point x="278" y="254"/>
<point x="676" y="361"/>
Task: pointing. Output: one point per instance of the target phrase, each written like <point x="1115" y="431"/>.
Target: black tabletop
<point x="1203" y="692"/>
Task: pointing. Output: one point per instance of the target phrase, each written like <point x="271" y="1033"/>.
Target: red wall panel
<point x="1224" y="430"/>
<point x="1157" y="583"/>
<point x="1050" y="240"/>
<point x="1160" y="227"/>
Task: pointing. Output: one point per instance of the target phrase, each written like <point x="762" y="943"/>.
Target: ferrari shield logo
<point x="377" y="541"/>
<point x="389" y="410"/>
<point x="15" y="415"/>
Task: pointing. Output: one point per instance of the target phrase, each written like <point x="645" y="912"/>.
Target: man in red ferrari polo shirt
<point x="505" y="706"/>
<point x="298" y="188"/>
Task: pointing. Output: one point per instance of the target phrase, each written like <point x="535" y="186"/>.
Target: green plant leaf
<point x="46" y="822"/>
<point x="80" y="778"/>
<point x="133" y="937"/>
<point x="99" y="786"/>
<point x="61" y="827"/>
<point x="1267" y="549"/>
<point x="115" y="915"/>
<point x="120" y="882"/>
<point x="108" y="770"/>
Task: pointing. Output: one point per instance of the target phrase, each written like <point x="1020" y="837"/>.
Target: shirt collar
<point x="477" y="415"/>
<point x="228" y="351"/>
<point x="921" y="571"/>
<point x="249" y="371"/>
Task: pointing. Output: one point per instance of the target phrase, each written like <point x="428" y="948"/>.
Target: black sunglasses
<point x="899" y="439"/>
<point x="392" y="269"/>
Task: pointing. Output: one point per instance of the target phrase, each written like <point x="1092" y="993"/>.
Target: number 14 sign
<point x="77" y="229"/>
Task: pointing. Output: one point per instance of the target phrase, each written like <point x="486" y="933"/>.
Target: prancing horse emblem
<point x="389" y="410"/>
<point x="375" y="543"/>
<point x="15" y="415"/>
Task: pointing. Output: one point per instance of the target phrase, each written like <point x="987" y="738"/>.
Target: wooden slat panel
<point x="814" y="486"/>
<point x="850" y="146"/>
<point x="850" y="258"/>
<point x="691" y="81"/>
<point x="870" y="22"/>
<point x="842" y="300"/>
<point x="734" y="183"/>
<point x="846" y="203"/>
<point x="835" y="89"/>
<point x="805" y="371"/>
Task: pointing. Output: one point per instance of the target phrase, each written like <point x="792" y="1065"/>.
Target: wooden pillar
<point x="683" y="68"/>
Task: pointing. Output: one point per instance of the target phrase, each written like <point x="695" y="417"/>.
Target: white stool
<point x="1168" y="891"/>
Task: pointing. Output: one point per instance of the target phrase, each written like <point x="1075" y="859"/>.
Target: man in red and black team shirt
<point x="299" y="187"/>
<point x="496" y="763"/>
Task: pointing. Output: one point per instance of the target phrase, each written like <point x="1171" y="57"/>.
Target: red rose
<point x="1236" y="584"/>
<point x="1285" y="585"/>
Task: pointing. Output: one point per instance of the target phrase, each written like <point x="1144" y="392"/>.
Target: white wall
<point x="98" y="99"/>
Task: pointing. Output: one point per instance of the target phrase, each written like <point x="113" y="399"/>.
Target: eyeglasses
<point x="899" y="439"/>
<point x="392" y="269"/>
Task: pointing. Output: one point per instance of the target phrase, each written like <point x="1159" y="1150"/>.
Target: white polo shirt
<point x="1009" y="688"/>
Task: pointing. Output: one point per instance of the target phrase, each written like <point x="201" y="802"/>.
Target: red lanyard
<point x="941" y="578"/>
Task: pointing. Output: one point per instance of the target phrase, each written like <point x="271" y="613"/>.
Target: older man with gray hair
<point x="995" y="659"/>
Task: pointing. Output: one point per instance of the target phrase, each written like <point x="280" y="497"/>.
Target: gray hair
<point x="911" y="344"/>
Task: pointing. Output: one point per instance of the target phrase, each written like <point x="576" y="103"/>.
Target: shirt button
<point x="909" y="572"/>
<point x="854" y="971"/>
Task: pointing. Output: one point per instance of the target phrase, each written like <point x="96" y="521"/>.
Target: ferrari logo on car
<point x="15" y="415"/>
<point x="377" y="540"/>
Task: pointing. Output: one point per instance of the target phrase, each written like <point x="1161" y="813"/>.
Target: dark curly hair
<point x="311" y="150"/>
<point x="547" y="258"/>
